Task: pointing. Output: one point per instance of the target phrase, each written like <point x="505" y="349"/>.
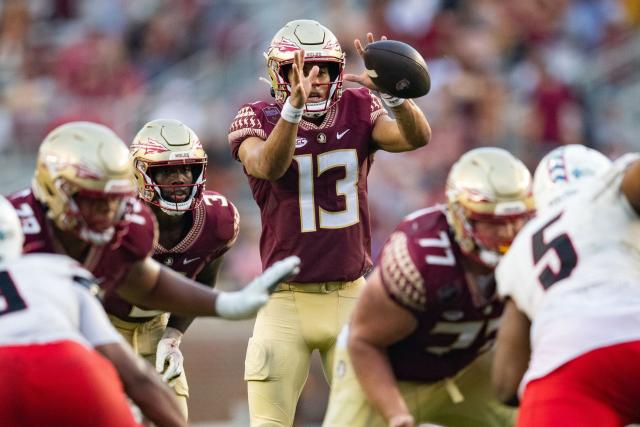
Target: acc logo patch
<point x="301" y="142"/>
<point x="271" y="114"/>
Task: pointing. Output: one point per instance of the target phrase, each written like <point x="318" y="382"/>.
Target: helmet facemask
<point x="71" y="218"/>
<point x="152" y="192"/>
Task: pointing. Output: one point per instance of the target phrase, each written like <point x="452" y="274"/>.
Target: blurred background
<point x="525" y="75"/>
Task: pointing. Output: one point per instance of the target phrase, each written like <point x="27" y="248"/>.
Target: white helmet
<point x="562" y="171"/>
<point x="487" y="184"/>
<point x="320" y="45"/>
<point x="11" y="236"/>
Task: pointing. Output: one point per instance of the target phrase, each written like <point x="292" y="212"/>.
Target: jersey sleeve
<point x="229" y="227"/>
<point x="400" y="275"/>
<point x="248" y="122"/>
<point x="141" y="233"/>
<point x="94" y="323"/>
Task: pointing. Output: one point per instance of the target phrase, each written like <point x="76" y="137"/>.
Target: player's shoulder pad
<point x="140" y="233"/>
<point x="222" y="218"/>
<point x="51" y="265"/>
<point x="400" y="274"/>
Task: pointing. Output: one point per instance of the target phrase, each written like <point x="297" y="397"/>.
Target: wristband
<point x="391" y="101"/>
<point x="291" y="113"/>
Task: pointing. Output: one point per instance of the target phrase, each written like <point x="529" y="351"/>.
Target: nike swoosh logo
<point x="189" y="261"/>
<point x="339" y="135"/>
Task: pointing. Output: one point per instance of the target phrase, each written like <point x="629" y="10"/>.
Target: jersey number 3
<point x="564" y="250"/>
<point x="10" y="299"/>
<point x="347" y="187"/>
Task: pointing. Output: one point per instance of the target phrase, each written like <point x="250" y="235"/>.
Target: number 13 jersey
<point x="318" y="209"/>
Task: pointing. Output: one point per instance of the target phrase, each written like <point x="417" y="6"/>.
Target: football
<point x="397" y="69"/>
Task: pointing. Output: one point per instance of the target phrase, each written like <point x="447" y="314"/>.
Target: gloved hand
<point x="169" y="358"/>
<point x="246" y="302"/>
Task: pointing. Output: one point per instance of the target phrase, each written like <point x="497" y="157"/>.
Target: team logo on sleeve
<point x="271" y="114"/>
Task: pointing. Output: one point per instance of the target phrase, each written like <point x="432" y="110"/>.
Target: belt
<point x="316" y="288"/>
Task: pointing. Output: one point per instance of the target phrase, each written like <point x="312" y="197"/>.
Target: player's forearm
<point x="177" y="294"/>
<point x="277" y="153"/>
<point x="376" y="378"/>
<point x="143" y="385"/>
<point x="155" y="400"/>
<point x="180" y="323"/>
<point x="413" y="124"/>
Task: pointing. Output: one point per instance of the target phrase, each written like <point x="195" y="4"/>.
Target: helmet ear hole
<point x="273" y="92"/>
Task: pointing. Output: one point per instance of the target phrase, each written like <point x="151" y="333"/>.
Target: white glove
<point x="246" y="302"/>
<point x="168" y="355"/>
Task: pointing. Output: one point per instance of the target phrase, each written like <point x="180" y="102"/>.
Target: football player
<point x="54" y="332"/>
<point x="82" y="203"/>
<point x="307" y="157"/>
<point x="197" y="227"/>
<point x="570" y="338"/>
<point x="416" y="348"/>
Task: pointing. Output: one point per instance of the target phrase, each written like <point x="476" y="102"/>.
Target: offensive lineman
<point x="413" y="351"/>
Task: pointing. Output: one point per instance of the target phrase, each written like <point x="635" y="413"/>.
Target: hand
<point x="402" y="420"/>
<point x="301" y="85"/>
<point x="169" y="358"/>
<point x="363" y="78"/>
<point x="246" y="303"/>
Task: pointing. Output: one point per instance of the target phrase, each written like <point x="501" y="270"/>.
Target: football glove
<point x="169" y="358"/>
<point x="245" y="303"/>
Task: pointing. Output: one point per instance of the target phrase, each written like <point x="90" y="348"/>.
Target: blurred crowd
<point x="526" y="75"/>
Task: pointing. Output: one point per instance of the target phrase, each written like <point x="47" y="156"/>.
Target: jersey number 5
<point x="347" y="187"/>
<point x="564" y="250"/>
<point x="10" y="299"/>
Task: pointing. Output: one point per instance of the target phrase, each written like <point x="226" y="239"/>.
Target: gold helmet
<point x="487" y="184"/>
<point x="87" y="159"/>
<point x="320" y="45"/>
<point x="162" y="143"/>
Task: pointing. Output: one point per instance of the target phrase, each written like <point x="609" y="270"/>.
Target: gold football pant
<point x="144" y="338"/>
<point x="298" y="319"/>
<point x="428" y="403"/>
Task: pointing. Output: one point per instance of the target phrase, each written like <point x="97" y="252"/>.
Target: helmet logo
<point x="285" y="45"/>
<point x="150" y="146"/>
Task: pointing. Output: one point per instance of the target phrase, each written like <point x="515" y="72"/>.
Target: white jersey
<point x="575" y="272"/>
<point x="41" y="301"/>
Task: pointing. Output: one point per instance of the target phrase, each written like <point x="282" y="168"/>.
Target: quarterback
<point x="307" y="157"/>
<point x="196" y="226"/>
<point x="58" y="351"/>
<point x="570" y="338"/>
<point x="416" y="348"/>
<point x="82" y="203"/>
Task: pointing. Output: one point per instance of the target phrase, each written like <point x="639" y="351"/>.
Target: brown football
<point x="397" y="69"/>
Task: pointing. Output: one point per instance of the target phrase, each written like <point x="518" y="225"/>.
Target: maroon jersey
<point x="214" y="230"/>
<point x="421" y="270"/>
<point x="110" y="263"/>
<point x="318" y="209"/>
